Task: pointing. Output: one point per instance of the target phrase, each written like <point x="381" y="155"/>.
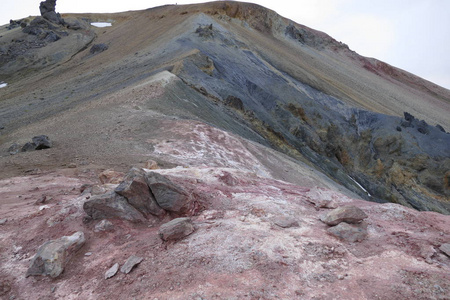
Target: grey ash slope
<point x="249" y="71"/>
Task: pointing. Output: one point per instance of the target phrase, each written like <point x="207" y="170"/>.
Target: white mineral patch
<point x="101" y="24"/>
<point x="3" y="84"/>
<point x="360" y="186"/>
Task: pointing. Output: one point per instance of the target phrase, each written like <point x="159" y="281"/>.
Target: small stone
<point x="151" y="165"/>
<point x="14" y="149"/>
<point x="112" y="271"/>
<point x="3" y="221"/>
<point x="41" y="200"/>
<point x="347" y="232"/>
<point x="110" y="176"/>
<point x="445" y="248"/>
<point x="72" y="165"/>
<point x="176" y="229"/>
<point x="88" y="254"/>
<point x="131" y="262"/>
<point x="104" y="225"/>
<point x="286" y="222"/>
<point x="348" y="214"/>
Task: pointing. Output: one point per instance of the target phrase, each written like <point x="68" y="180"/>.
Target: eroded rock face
<point x="348" y="214"/>
<point x="52" y="256"/>
<point x="111" y="206"/>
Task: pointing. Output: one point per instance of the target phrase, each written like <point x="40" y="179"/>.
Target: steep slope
<point x="269" y="80"/>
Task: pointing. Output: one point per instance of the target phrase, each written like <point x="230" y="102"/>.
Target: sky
<point x="413" y="35"/>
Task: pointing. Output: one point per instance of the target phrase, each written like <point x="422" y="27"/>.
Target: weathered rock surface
<point x="445" y="248"/>
<point x="168" y="195"/>
<point x="347" y="232"/>
<point x="348" y="214"/>
<point x="98" y="48"/>
<point x="47" y="9"/>
<point x="52" y="256"/>
<point x="111" y="206"/>
<point x="112" y="271"/>
<point x="134" y="187"/>
<point x="176" y="229"/>
<point x="131" y="262"/>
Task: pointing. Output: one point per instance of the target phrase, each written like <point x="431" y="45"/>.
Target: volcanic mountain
<point x="254" y="127"/>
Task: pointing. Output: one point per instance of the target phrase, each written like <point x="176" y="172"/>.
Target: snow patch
<point x="3" y="84"/>
<point x="361" y="186"/>
<point x="101" y="24"/>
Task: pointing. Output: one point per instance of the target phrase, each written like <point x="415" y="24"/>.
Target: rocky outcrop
<point x="134" y="187"/>
<point x="52" y="256"/>
<point x="47" y="9"/>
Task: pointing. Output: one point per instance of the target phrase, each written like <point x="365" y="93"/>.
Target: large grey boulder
<point x="176" y="229"/>
<point x="111" y="206"/>
<point x="53" y="256"/>
<point x="347" y="232"/>
<point x="349" y="214"/>
<point x="42" y="142"/>
<point x="168" y="195"/>
<point x="134" y="187"/>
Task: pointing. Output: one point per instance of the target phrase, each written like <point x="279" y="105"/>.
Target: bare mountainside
<point x="215" y="151"/>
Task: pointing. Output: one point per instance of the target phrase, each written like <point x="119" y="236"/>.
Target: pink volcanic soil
<point x="236" y="252"/>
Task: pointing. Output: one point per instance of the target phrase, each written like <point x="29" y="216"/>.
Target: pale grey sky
<point x="410" y="34"/>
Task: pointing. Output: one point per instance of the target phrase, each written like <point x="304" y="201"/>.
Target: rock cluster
<point x="37" y="143"/>
<point x="341" y="219"/>
<point x="138" y="197"/>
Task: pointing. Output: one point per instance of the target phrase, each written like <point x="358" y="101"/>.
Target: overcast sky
<point x="410" y="34"/>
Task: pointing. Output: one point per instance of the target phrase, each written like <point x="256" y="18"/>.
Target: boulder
<point x="176" y="229"/>
<point x="112" y="271"/>
<point x="14" y="149"/>
<point x="53" y="256"/>
<point x="349" y="214"/>
<point x="42" y="142"/>
<point x="347" y="232"/>
<point x="111" y="206"/>
<point x="168" y="195"/>
<point x="131" y="262"/>
<point x="28" y="147"/>
<point x="134" y="187"/>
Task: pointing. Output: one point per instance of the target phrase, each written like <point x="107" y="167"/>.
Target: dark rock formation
<point x="52" y="256"/>
<point x="234" y="102"/>
<point x="348" y="214"/>
<point x="134" y="187"/>
<point x="110" y="206"/>
<point x="168" y="195"/>
<point x="47" y="9"/>
<point x="176" y="229"/>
